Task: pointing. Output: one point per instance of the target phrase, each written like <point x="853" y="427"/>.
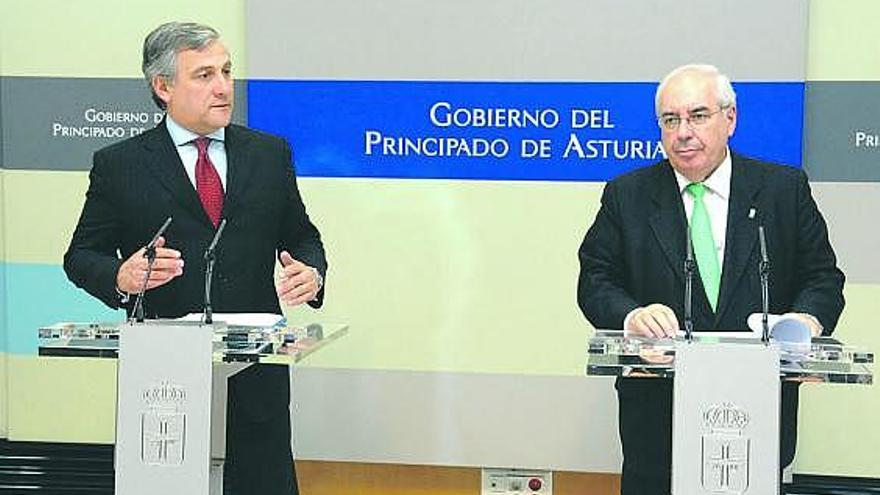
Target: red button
<point x="535" y="484"/>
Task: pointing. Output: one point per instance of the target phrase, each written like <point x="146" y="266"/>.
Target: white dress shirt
<point x="189" y="154"/>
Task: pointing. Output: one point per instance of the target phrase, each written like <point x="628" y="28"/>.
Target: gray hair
<point x="726" y="95"/>
<point x="163" y="44"/>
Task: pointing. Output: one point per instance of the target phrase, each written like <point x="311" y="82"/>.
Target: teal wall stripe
<point x="40" y="294"/>
<point x="4" y="296"/>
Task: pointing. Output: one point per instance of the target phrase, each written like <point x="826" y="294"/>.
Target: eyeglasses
<point x="694" y="120"/>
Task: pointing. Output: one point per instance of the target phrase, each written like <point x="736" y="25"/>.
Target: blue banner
<point x="551" y="131"/>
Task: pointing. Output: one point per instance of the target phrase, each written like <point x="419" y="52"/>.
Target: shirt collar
<point x="718" y="182"/>
<point x="181" y="135"/>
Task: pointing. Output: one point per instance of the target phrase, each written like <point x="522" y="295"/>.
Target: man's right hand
<point x="655" y="320"/>
<point x="167" y="266"/>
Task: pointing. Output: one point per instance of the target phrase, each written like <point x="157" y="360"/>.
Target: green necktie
<point x="704" y="244"/>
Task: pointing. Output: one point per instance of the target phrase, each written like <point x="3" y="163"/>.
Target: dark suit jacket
<point x="633" y="255"/>
<point x="137" y="183"/>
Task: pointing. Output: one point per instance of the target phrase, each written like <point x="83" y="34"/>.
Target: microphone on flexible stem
<point x="764" y="271"/>
<point x="150" y="255"/>
<point x="209" y="271"/>
<point x="689" y="267"/>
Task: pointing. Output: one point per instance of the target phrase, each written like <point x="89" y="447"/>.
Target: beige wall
<point x="515" y="286"/>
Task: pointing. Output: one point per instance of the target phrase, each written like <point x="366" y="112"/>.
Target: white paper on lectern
<point x="786" y="328"/>
<point x="736" y="334"/>
<point x="240" y="319"/>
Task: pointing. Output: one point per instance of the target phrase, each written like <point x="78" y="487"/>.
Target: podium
<point x="172" y="390"/>
<point x="725" y="425"/>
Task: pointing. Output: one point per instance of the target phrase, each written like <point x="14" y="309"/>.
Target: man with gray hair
<point x="199" y="169"/>
<point x="632" y="256"/>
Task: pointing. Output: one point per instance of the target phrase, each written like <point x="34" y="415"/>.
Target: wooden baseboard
<point x="350" y="478"/>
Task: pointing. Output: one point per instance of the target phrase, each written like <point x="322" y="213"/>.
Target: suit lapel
<point x="668" y="220"/>
<point x="164" y="161"/>
<point x="239" y="167"/>
<point x="742" y="231"/>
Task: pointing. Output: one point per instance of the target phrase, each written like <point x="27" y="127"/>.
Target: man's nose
<point x="222" y="86"/>
<point x="684" y="131"/>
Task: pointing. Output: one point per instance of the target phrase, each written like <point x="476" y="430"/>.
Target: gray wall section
<point x="2" y="148"/>
<point x="596" y="40"/>
<point x="563" y="423"/>
<point x="842" y="131"/>
<point x="850" y="209"/>
<point x="50" y="115"/>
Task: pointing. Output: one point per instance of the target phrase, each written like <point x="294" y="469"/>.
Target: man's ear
<point x="163" y="88"/>
<point x="730" y="114"/>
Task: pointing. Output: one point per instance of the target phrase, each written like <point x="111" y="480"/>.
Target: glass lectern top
<point x="278" y="343"/>
<point x="825" y="359"/>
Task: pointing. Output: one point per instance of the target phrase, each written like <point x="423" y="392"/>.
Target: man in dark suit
<point x="198" y="169"/>
<point x="632" y="256"/>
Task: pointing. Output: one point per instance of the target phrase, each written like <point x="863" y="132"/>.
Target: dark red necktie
<point x="208" y="182"/>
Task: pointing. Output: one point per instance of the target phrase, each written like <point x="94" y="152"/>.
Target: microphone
<point x="209" y="271"/>
<point x="150" y="255"/>
<point x="689" y="266"/>
<point x="764" y="271"/>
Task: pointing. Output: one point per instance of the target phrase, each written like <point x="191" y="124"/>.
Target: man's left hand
<point x="298" y="282"/>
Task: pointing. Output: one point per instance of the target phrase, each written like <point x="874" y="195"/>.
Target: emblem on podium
<point x="725" y="450"/>
<point x="163" y="425"/>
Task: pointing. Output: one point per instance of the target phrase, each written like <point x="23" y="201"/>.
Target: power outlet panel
<point x="516" y="482"/>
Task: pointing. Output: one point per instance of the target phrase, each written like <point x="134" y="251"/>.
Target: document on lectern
<point x="240" y="319"/>
<point x="785" y="329"/>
